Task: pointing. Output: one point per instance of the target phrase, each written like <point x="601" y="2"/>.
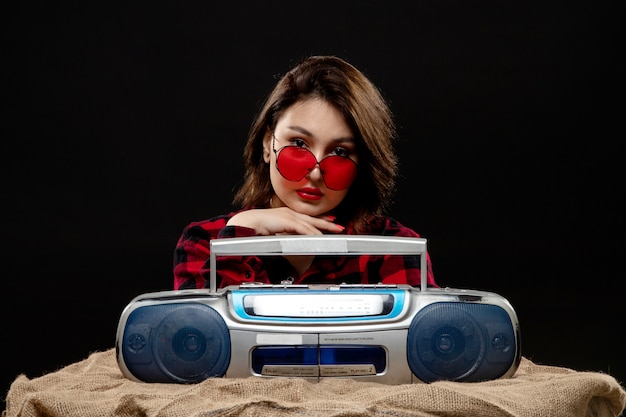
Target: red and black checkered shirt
<point x="192" y="256"/>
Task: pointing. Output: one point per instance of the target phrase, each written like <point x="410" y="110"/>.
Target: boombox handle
<point x="318" y="245"/>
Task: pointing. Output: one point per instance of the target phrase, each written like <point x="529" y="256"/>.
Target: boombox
<point x="392" y="334"/>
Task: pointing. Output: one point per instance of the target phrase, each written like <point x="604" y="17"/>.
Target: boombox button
<point x="347" y="370"/>
<point x="470" y="298"/>
<point x="290" y="370"/>
<point x="136" y="342"/>
<point x="501" y="343"/>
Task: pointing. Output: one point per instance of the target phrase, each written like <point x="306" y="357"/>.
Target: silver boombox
<point x="392" y="334"/>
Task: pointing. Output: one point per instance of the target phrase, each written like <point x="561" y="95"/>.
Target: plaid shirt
<point x="192" y="255"/>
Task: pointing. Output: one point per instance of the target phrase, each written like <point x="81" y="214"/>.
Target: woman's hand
<point x="279" y="220"/>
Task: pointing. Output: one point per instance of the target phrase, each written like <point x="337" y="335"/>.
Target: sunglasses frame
<point x="309" y="169"/>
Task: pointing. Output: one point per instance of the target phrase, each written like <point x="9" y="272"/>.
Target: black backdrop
<point x="124" y="123"/>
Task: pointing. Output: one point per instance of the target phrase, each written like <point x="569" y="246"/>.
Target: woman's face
<point x="319" y="127"/>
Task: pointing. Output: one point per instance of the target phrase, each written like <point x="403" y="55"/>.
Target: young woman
<point x="319" y="159"/>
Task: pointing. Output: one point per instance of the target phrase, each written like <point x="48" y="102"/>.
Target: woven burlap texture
<point x="95" y="387"/>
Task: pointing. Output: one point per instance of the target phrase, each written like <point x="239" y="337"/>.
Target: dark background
<point x="124" y="123"/>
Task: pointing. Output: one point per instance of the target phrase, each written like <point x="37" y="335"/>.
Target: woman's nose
<point x="315" y="173"/>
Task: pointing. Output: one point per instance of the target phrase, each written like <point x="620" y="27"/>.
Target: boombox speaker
<point x="386" y="333"/>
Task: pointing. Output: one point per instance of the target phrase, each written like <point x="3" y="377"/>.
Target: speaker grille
<point x="460" y="342"/>
<point x="184" y="343"/>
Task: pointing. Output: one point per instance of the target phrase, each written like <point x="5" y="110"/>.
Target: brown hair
<point x="366" y="112"/>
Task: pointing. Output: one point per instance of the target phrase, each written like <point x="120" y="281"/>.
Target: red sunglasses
<point x="294" y="163"/>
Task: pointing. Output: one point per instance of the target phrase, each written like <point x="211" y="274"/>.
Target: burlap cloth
<point x="95" y="387"/>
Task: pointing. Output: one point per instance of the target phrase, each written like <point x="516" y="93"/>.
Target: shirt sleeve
<point x="405" y="269"/>
<point x="192" y="255"/>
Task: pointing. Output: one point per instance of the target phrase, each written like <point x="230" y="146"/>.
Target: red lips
<point x="309" y="193"/>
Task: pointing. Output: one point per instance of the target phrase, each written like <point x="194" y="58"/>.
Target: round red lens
<point x="338" y="172"/>
<point x="294" y="163"/>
